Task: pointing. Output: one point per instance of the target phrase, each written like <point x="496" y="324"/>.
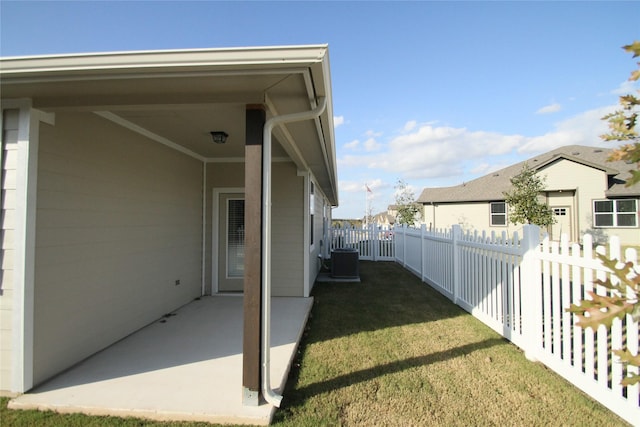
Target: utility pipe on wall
<point x="269" y="395"/>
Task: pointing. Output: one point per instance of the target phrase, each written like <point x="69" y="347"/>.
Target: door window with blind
<point x="235" y="238"/>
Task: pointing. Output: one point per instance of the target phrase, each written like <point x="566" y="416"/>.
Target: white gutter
<point x="269" y="395"/>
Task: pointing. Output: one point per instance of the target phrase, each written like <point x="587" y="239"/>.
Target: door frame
<point x="215" y="232"/>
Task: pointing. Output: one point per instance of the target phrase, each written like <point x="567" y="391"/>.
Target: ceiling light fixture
<point x="219" y="137"/>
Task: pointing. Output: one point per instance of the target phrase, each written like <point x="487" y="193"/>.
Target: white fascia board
<point x="321" y="75"/>
<point x="154" y="61"/>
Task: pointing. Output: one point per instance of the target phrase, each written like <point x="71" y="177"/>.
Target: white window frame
<point x="492" y="214"/>
<point x="614" y="213"/>
<point x="312" y="212"/>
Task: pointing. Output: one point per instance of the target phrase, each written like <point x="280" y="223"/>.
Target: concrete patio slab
<point x="186" y="366"/>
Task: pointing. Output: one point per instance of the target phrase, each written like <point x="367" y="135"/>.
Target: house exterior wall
<point x="319" y="224"/>
<point x="470" y="216"/>
<point x="589" y="184"/>
<point x="218" y="175"/>
<point x="7" y="224"/>
<point x="287" y="213"/>
<point x="287" y="233"/>
<point x="118" y="223"/>
<point x="568" y="184"/>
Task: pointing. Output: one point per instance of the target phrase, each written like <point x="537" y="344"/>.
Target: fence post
<point x="456" y="232"/>
<point x="395" y="242"/>
<point x="422" y="254"/>
<point x="404" y="245"/>
<point x="376" y="245"/>
<point x="531" y="292"/>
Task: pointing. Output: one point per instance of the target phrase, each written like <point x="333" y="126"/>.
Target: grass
<point x="391" y="351"/>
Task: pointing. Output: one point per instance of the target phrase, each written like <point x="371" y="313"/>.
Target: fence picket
<point x="576" y="295"/>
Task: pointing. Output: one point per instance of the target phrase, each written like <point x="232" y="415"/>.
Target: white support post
<point x="25" y="229"/>
<point x="531" y="292"/>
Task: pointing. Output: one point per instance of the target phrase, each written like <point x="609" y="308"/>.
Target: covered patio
<point x="185" y="366"/>
<point x="134" y="183"/>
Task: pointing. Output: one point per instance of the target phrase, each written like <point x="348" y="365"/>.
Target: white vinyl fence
<point x="520" y="287"/>
<point x="373" y="243"/>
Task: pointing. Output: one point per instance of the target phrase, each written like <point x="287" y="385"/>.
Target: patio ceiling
<point x="178" y="97"/>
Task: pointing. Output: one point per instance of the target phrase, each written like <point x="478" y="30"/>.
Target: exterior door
<point x="230" y="242"/>
<point x="562" y="214"/>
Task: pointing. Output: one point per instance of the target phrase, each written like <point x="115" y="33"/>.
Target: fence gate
<point x="372" y="242"/>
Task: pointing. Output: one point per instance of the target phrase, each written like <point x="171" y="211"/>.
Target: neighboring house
<point x="117" y="206"/>
<point x="586" y="192"/>
<point x="388" y="218"/>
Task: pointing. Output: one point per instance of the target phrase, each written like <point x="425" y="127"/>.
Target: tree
<point x="408" y="209"/>
<point x="623" y="292"/>
<point x="622" y="123"/>
<point x="524" y="203"/>
<point x="621" y="300"/>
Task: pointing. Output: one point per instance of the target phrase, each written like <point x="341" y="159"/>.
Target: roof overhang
<point x="180" y="96"/>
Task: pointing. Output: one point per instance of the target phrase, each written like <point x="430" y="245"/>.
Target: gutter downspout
<point x="269" y="395"/>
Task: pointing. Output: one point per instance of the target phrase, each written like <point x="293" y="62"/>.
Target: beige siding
<point x="219" y="175"/>
<point x="568" y="184"/>
<point x="470" y="216"/>
<point x="318" y="219"/>
<point x="118" y="222"/>
<point x="287" y="216"/>
<point x="7" y="224"/>
<point x="287" y="259"/>
<point x="589" y="184"/>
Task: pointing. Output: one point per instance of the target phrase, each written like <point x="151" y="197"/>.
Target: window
<point x="311" y="212"/>
<point x="615" y="213"/>
<point x="560" y="211"/>
<point x="235" y="238"/>
<point x="499" y="213"/>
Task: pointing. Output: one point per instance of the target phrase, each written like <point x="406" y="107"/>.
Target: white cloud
<point x="373" y="134"/>
<point x="433" y="151"/>
<point x="410" y="125"/>
<point x="551" y="108"/>
<point x="352" y="145"/>
<point x="371" y="145"/>
<point x="439" y="151"/>
<point x="337" y="121"/>
<point x="350" y="186"/>
<point x="626" y="87"/>
<point x="432" y="155"/>
<point x="582" y="129"/>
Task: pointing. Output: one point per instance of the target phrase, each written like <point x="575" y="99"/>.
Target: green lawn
<point x="391" y="351"/>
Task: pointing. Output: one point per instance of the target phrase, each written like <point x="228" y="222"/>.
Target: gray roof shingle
<point x="492" y="186"/>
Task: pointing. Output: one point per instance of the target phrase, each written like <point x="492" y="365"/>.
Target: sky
<point x="430" y="93"/>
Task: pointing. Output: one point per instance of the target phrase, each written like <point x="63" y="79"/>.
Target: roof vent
<point x="597" y="150"/>
<point x="575" y="153"/>
<point x="496" y="174"/>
